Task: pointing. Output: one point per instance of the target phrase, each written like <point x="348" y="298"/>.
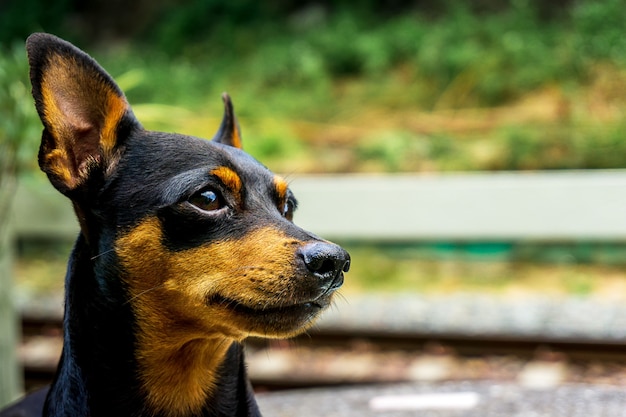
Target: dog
<point x="186" y="247"/>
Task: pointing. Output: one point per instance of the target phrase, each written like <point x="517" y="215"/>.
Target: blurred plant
<point x="322" y="65"/>
<point x="580" y="146"/>
<point x="19" y="125"/>
<point x="599" y="30"/>
<point x="407" y="151"/>
<point x="19" y="18"/>
<point x="458" y="57"/>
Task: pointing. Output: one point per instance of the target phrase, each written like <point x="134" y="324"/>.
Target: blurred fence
<point x="542" y="207"/>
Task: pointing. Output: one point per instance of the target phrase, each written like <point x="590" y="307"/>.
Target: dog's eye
<point x="288" y="210"/>
<point x="207" y="200"/>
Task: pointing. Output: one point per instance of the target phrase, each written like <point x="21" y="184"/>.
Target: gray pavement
<point x="466" y="399"/>
<point x="467" y="314"/>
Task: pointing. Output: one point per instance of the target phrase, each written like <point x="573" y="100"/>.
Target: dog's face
<point x="199" y="231"/>
<point x="217" y="249"/>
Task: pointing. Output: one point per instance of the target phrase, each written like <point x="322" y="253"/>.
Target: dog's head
<point x="199" y="232"/>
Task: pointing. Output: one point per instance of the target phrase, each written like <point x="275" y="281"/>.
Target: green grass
<point x="449" y="270"/>
<point x="438" y="269"/>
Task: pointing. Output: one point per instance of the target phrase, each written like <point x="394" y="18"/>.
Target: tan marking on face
<point x="281" y="186"/>
<point x="182" y="338"/>
<point x="229" y="178"/>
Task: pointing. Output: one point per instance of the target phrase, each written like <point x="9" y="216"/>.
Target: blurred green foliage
<point x="577" y="148"/>
<point x="19" y="125"/>
<point x="19" y="130"/>
<point x="18" y="18"/>
<point x="300" y="72"/>
<point x="574" y="268"/>
<point x="495" y="56"/>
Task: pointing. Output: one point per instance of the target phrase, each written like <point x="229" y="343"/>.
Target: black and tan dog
<point x="186" y="248"/>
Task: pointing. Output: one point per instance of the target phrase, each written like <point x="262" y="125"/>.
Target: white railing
<point x="560" y="205"/>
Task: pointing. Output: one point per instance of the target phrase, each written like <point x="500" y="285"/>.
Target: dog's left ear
<point x="229" y="133"/>
<point x="85" y="114"/>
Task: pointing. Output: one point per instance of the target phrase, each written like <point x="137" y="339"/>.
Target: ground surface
<point x="484" y="399"/>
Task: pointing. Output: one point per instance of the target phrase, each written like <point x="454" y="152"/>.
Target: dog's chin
<point x="272" y="320"/>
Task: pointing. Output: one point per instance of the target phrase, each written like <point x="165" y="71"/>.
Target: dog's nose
<point x="326" y="261"/>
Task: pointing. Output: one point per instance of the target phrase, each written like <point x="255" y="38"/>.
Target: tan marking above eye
<point x="285" y="206"/>
<point x="229" y="178"/>
<point x="281" y="186"/>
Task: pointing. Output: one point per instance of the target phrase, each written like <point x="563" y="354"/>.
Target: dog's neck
<point x="99" y="372"/>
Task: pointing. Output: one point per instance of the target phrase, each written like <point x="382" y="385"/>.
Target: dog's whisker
<point x="343" y="298"/>
<point x="133" y="298"/>
<point x="102" y="254"/>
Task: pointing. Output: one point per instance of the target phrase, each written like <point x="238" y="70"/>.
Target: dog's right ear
<point x="84" y="113"/>
<point x="229" y="132"/>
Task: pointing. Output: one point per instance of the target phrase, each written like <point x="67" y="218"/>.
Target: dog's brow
<point x="281" y="186"/>
<point x="229" y="178"/>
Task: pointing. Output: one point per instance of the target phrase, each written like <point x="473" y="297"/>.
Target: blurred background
<point x="361" y="89"/>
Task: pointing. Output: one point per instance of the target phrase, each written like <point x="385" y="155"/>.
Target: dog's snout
<point x="327" y="261"/>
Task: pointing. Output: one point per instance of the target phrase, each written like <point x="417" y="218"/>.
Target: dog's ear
<point x="84" y="113"/>
<point x="229" y="133"/>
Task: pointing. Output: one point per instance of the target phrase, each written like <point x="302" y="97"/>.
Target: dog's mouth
<point x="269" y="309"/>
<point x="272" y="318"/>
